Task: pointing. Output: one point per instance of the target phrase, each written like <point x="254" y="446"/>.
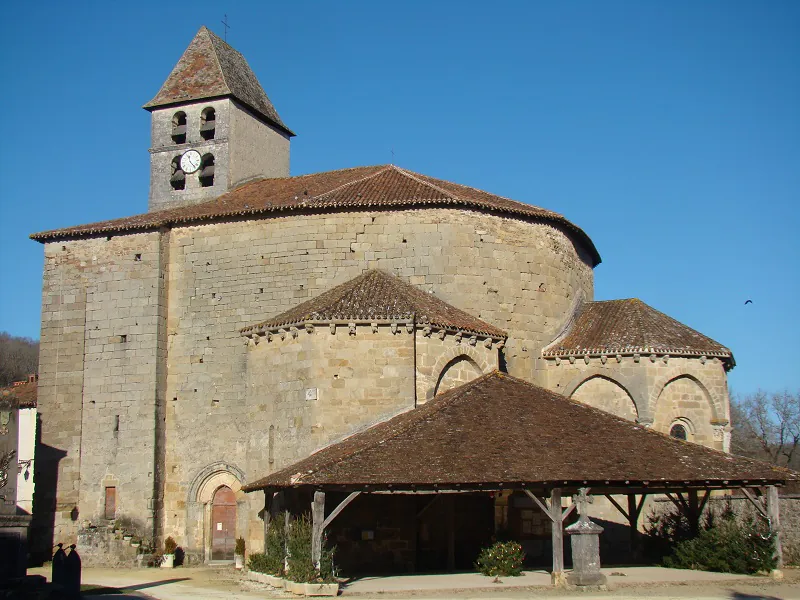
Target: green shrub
<point x="275" y="547"/>
<point x="239" y="546"/>
<point x="501" y="559"/>
<point x="258" y="562"/>
<point x="725" y="543"/>
<point x="728" y="547"/>
<point x="300" y="565"/>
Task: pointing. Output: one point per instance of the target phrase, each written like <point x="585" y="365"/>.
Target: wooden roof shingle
<point x="210" y="68"/>
<point x="630" y="326"/>
<point x="378" y="296"/>
<point x="382" y="187"/>
<point x="500" y="430"/>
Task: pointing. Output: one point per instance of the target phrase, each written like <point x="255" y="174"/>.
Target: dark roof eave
<point x="61" y="234"/>
<point x="273" y="328"/>
<point x="654" y="485"/>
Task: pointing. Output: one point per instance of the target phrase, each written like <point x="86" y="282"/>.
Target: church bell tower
<point x="213" y="127"/>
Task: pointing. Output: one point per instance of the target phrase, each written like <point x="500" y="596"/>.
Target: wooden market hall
<point x="427" y="489"/>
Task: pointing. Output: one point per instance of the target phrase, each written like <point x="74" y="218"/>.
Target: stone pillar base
<point x="558" y="579"/>
<point x="584" y="579"/>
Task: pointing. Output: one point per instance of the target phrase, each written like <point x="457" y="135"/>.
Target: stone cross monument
<point x="585" y="540"/>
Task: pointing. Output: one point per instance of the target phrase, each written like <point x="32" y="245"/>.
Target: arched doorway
<point x="223" y="524"/>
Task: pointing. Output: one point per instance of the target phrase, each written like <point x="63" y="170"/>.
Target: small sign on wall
<point x="219" y="526"/>
<point x="311" y="394"/>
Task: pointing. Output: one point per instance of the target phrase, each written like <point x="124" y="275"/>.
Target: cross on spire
<point x="225" y="24"/>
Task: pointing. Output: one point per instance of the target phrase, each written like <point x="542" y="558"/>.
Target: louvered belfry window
<point x="208" y="123"/>
<point x="179" y="127"/>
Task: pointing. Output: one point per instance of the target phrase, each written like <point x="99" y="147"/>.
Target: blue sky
<point x="668" y="131"/>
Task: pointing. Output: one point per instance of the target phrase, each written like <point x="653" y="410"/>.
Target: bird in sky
<point x="748" y="301"/>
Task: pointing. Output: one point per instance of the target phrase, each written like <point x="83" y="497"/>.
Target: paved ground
<point x="624" y="583"/>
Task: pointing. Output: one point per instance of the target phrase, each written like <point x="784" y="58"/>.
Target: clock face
<point x="190" y="161"/>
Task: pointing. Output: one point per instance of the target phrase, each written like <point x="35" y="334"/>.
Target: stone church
<point x="251" y="318"/>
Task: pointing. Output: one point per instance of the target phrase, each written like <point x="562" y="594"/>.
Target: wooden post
<point x="268" y="500"/>
<point x="774" y="516"/>
<point x="318" y="525"/>
<point x="451" y="533"/>
<point x="633" y="522"/>
<point x="694" y="512"/>
<point x="557" y="576"/>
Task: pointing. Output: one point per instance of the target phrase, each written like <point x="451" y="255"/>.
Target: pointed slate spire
<point x="210" y="68"/>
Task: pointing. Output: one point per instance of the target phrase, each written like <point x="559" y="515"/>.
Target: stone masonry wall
<point x="607" y="395"/>
<point x="311" y="389"/>
<point x="256" y="149"/>
<point x="444" y="362"/>
<point x="99" y="355"/>
<point x="663" y="390"/>
<point x="520" y="276"/>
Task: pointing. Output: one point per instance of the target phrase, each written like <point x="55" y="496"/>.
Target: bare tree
<point x="767" y="426"/>
<point x="19" y="357"/>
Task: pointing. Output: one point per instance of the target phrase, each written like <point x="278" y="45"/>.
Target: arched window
<point x="678" y="431"/>
<point x="178" y="178"/>
<point x="207" y="171"/>
<point x="179" y="127"/>
<point x="208" y="123"/>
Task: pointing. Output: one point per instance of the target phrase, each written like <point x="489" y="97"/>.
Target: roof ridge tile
<point x="353" y="182"/>
<point x="412" y="175"/>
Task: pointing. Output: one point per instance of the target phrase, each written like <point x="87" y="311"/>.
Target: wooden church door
<point x="223" y="524"/>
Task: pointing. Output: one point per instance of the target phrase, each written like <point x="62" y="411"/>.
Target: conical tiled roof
<point x="210" y="68"/>
<point x="374" y="188"/>
<point x="379" y="296"/>
<point x="631" y="326"/>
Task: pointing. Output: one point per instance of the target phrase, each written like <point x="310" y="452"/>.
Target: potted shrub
<point x="168" y="560"/>
<point x="275" y="553"/>
<point x="136" y="542"/>
<point x="238" y="553"/>
<point x="303" y="576"/>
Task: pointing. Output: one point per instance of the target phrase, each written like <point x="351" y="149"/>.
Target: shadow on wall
<point x="44" y="499"/>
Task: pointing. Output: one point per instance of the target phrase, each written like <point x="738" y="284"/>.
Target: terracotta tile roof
<point x="631" y="326"/>
<point x="210" y="68"/>
<point x="502" y="430"/>
<point x="379" y="296"/>
<point x="376" y="187"/>
<point x="21" y="395"/>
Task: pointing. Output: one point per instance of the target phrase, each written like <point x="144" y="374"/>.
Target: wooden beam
<point x="759" y="507"/>
<point x="639" y="506"/>
<point x="679" y="502"/>
<point x="634" y="511"/>
<point x="557" y="528"/>
<point x="694" y="512"/>
<point x="567" y="512"/>
<point x="704" y="501"/>
<point x="335" y="512"/>
<point x="774" y="512"/>
<point x="627" y="515"/>
<point x="425" y="508"/>
<point x="317" y="527"/>
<point x="268" y="500"/>
<point x="542" y="503"/>
<point x="451" y="533"/>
